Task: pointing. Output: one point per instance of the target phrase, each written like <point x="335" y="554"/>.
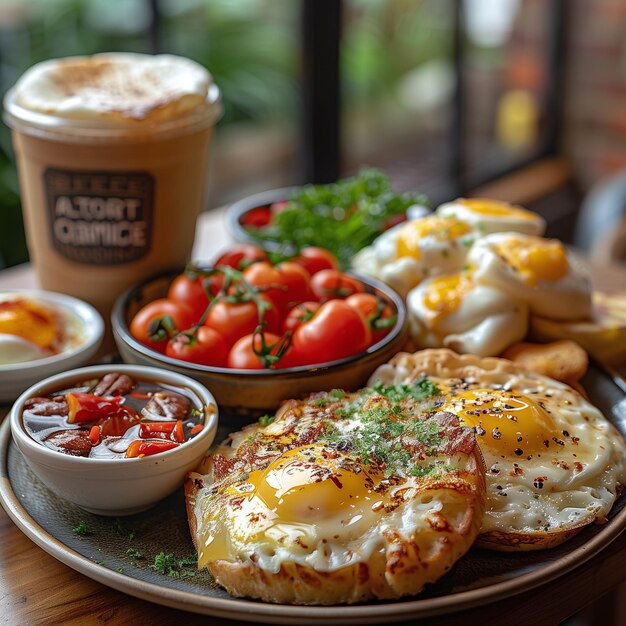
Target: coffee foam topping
<point x="117" y="87"/>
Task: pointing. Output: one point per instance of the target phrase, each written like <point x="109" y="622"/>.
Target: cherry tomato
<point x="302" y="312"/>
<point x="332" y="284"/>
<point x="241" y="256"/>
<point x="191" y="292"/>
<point x="206" y="347"/>
<point x="334" y="332"/>
<point x="315" y="259"/>
<point x="285" y="284"/>
<point x="265" y="275"/>
<point x="159" y="315"/>
<point x="243" y="356"/>
<point x="298" y="282"/>
<point x="256" y="218"/>
<point x="234" y="320"/>
<point x="379" y="315"/>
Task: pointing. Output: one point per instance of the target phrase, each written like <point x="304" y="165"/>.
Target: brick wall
<point x="595" y="95"/>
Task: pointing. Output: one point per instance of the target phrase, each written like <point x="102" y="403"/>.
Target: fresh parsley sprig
<point x="343" y="217"/>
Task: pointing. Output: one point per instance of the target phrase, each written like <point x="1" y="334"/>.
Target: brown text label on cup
<point x="100" y="218"/>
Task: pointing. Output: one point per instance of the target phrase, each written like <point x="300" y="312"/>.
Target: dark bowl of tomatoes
<point x="268" y="331"/>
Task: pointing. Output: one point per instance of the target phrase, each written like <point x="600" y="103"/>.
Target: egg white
<point x="504" y="217"/>
<point x="566" y="298"/>
<point x="435" y="256"/>
<point x="565" y="497"/>
<point x="485" y="322"/>
<point x="15" y="349"/>
<point x="327" y="543"/>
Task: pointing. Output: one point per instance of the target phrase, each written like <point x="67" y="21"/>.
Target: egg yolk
<point x="302" y="485"/>
<point x="484" y="206"/>
<point x="27" y="320"/>
<point x="508" y="423"/>
<point x="445" y="293"/>
<point x="303" y="489"/>
<point x="535" y="259"/>
<point x="441" y="228"/>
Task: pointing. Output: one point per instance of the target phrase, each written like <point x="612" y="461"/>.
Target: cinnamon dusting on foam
<point x="115" y="87"/>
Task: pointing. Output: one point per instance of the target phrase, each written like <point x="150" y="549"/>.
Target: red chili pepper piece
<point x="94" y="435"/>
<point x="140" y="396"/>
<point x="117" y="424"/>
<point x="85" y="407"/>
<point x="197" y="429"/>
<point x="179" y="433"/>
<point x="162" y="430"/>
<point x="139" y="448"/>
<point x="257" y="217"/>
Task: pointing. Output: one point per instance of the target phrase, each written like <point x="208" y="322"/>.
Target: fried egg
<point x="538" y="271"/>
<point x="28" y="330"/>
<point x="410" y="252"/>
<point x="493" y="216"/>
<point x="29" y="320"/>
<point x="453" y="311"/>
<point x="554" y="462"/>
<point x="341" y="498"/>
<point x="31" y="328"/>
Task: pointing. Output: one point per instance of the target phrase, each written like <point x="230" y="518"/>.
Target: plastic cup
<point x="110" y="196"/>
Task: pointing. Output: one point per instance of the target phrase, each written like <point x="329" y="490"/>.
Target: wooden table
<point x="37" y="589"/>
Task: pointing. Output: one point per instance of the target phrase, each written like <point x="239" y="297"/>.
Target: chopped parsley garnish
<point x="385" y="434"/>
<point x="134" y="554"/>
<point x="420" y="390"/>
<point x="82" y="528"/>
<point x="337" y="394"/>
<point x="331" y="433"/>
<point x="266" y="420"/>
<point x="122" y="531"/>
<point x="170" y="565"/>
<point x="330" y="397"/>
<point x="423" y="470"/>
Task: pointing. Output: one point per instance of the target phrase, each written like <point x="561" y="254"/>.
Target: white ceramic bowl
<point x="114" y="486"/>
<point x="15" y="377"/>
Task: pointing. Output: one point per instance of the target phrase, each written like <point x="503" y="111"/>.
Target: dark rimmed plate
<point x="478" y="578"/>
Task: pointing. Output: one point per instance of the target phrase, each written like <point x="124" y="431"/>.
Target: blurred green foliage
<point x="250" y="46"/>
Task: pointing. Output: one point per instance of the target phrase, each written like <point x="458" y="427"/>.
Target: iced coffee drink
<point x="112" y="155"/>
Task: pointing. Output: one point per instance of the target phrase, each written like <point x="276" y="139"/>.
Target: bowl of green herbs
<point x="342" y="217"/>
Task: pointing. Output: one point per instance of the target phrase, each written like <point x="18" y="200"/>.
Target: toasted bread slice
<point x="552" y="468"/>
<point x="422" y="507"/>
